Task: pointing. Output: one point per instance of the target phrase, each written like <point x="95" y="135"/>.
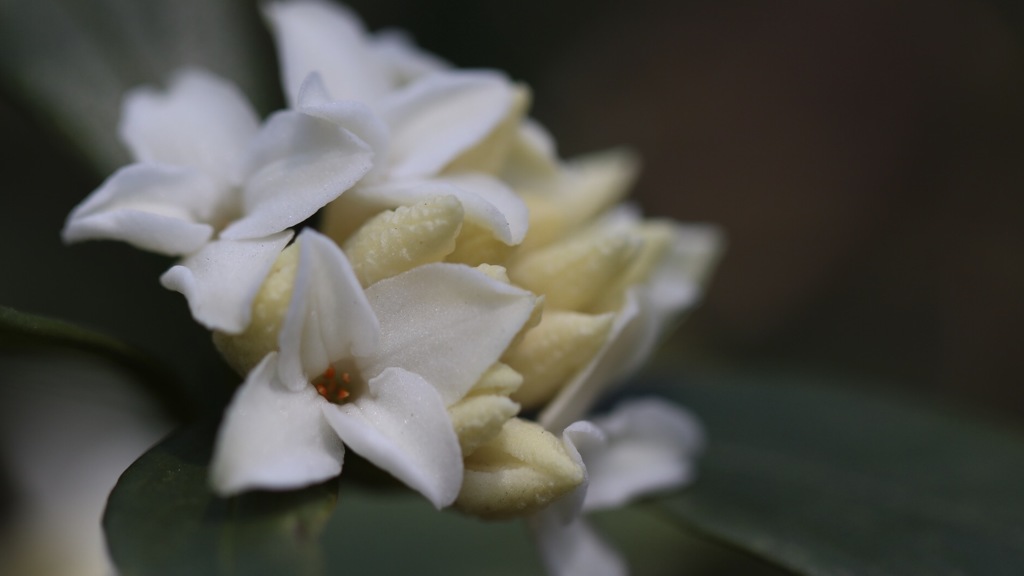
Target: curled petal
<point x="328" y="317"/>
<point x="651" y="447"/>
<point x="679" y="281"/>
<point x="202" y="121"/>
<point x="273" y="437"/>
<point x="400" y="424"/>
<point x="153" y="207"/>
<point x="298" y="163"/>
<point x="438" y="117"/>
<point x="352" y="115"/>
<point x="316" y="36"/>
<point x="221" y="280"/>
<point x="486" y="200"/>
<point x="446" y="322"/>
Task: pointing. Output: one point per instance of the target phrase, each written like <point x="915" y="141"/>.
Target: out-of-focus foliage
<point x="829" y="481"/>
<point x="70" y="61"/>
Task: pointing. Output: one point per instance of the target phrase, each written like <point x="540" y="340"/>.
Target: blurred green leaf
<point x="19" y="330"/>
<point x="395" y="533"/>
<point x="162" y="518"/>
<point x="70" y="61"/>
<point x="832" y="482"/>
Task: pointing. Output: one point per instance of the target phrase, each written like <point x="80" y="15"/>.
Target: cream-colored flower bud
<point x="244" y="351"/>
<point x="522" y="470"/>
<point x="554" y="350"/>
<point x="479" y="416"/>
<point x="574" y="273"/>
<point x="398" y="240"/>
<point x="477" y="245"/>
<point x="657" y="237"/>
<point x="585" y="188"/>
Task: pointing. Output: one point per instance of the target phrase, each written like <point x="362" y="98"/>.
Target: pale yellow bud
<point x="495" y="272"/>
<point x="479" y="416"/>
<point x="245" y="350"/>
<point x="477" y="245"/>
<point x="499" y="379"/>
<point x="585" y="188"/>
<point x="522" y="470"/>
<point x="657" y="237"/>
<point x="553" y="351"/>
<point x="398" y="240"/>
<point x="574" y="273"/>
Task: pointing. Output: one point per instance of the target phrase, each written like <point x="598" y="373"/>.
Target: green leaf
<point x="830" y="482"/>
<point x="162" y="518"/>
<point x="21" y="330"/>
<point x="399" y="533"/>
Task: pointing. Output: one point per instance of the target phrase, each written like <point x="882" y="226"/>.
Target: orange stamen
<point x="331" y="387"/>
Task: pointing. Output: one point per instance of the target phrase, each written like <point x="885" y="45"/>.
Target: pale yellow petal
<point x="499" y="379"/>
<point x="477" y="245"/>
<point x="245" y="350"/>
<point x="522" y="470"/>
<point x="401" y="239"/>
<point x="479" y="416"/>
<point x="584" y="188"/>
<point x="657" y="237"/>
<point x="575" y="273"/>
<point x="478" y="419"/>
<point x="554" y="351"/>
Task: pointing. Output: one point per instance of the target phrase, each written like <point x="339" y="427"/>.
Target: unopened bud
<point x="522" y="470"/>
<point x="398" y="240"/>
<point x="244" y="351"/>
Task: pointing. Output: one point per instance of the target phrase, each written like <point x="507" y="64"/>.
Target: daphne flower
<point x="212" y="185"/>
<point x="374" y="370"/>
<point x="642" y="447"/>
<point x="439" y="129"/>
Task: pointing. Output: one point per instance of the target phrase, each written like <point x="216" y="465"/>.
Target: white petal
<point x="298" y="163"/>
<point x="486" y="200"/>
<point x="329" y="317"/>
<point x="401" y="58"/>
<point x="574" y="549"/>
<point x="221" y="280"/>
<point x="316" y="36"/>
<point x="400" y="424"/>
<point x="674" y="287"/>
<point x="356" y="117"/>
<point x="156" y="208"/>
<point x="273" y="437"/>
<point x="651" y="447"/>
<point x="446" y="322"/>
<point x="678" y="282"/>
<point x="584" y="441"/>
<point x="202" y="121"/>
<point x="438" y="117"/>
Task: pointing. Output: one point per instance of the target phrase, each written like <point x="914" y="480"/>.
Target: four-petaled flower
<point x="213" y="185"/>
<point x="407" y="348"/>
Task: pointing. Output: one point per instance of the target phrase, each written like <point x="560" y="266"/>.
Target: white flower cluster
<point x="461" y="274"/>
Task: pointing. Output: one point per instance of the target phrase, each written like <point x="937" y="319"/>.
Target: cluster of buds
<point x="462" y="276"/>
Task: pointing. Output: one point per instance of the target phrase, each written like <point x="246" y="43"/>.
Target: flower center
<point x="334" y="386"/>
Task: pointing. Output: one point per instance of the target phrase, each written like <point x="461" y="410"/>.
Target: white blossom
<point x="642" y="447"/>
<point x="406" y="349"/>
<point x="214" y="186"/>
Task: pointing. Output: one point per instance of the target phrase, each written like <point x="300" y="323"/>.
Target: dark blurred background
<point x="865" y="159"/>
